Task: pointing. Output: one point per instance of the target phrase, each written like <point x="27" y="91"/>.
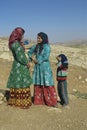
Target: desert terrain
<point x="44" y="117"/>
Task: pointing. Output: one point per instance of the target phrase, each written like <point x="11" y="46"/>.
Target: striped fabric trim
<point x="61" y="78"/>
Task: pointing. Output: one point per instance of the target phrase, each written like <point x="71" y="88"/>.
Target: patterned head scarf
<point x="16" y="35"/>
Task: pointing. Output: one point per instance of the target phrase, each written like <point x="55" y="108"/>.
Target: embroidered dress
<point x="44" y="90"/>
<point x="19" y="79"/>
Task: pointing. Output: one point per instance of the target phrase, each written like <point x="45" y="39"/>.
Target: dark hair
<point x="39" y="47"/>
<point x="44" y="37"/>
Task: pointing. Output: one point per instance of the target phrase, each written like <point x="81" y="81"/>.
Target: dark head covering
<point x="39" y="46"/>
<point x="64" y="60"/>
<point x="16" y="35"/>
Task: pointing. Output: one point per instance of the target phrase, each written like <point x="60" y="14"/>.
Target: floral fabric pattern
<point x="19" y="75"/>
<point x="42" y="74"/>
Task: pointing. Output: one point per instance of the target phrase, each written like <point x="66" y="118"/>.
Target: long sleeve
<point x="19" y="54"/>
<point x="31" y="52"/>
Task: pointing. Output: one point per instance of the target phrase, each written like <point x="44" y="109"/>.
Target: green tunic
<point x="19" y="75"/>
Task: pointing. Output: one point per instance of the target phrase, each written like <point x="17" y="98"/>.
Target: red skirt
<point x="45" y="95"/>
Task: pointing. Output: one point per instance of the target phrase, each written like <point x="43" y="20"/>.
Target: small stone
<point x="74" y="90"/>
<point x="80" y="77"/>
<point x="86" y="79"/>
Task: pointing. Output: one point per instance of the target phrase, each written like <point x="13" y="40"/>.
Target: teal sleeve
<point x="19" y="53"/>
<point x="31" y="52"/>
<point x="45" y="55"/>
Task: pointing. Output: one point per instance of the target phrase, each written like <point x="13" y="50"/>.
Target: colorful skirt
<point x="20" y="97"/>
<point x="45" y="95"/>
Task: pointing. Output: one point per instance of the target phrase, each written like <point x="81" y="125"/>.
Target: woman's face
<point x="39" y="39"/>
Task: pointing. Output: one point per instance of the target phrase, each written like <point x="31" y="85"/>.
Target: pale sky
<point x="62" y="20"/>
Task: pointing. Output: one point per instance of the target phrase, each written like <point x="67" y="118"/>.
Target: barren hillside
<point x="48" y="118"/>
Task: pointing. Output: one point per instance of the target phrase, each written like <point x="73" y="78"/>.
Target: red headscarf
<point x="16" y="35"/>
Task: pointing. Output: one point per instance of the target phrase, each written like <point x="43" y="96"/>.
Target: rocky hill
<point x="43" y="117"/>
<point x="76" y="56"/>
<point x="74" y="43"/>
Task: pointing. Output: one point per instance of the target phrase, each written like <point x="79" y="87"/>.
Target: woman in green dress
<point x="19" y="80"/>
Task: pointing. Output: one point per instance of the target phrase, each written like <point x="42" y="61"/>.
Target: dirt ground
<point x="44" y="117"/>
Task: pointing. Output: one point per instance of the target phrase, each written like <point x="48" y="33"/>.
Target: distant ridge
<point x="4" y="38"/>
<point x="58" y="43"/>
<point x="73" y="43"/>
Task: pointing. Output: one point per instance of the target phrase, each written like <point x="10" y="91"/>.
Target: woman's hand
<point x="28" y="65"/>
<point x="35" y="61"/>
